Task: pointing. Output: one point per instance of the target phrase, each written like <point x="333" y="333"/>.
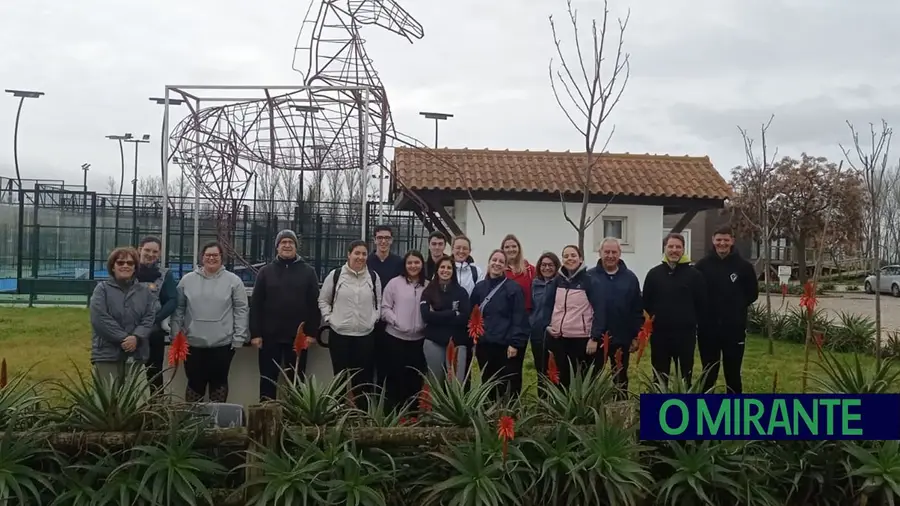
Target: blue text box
<point x="770" y="416"/>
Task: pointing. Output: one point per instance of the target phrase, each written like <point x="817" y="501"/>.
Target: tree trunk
<point x="876" y="259"/>
<point x="767" y="266"/>
<point x="800" y="252"/>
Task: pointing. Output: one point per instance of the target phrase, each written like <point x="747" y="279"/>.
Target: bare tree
<point x="150" y="186"/>
<point x="756" y="185"/>
<point x="334" y="185"/>
<point x="289" y="190"/>
<point x="890" y="216"/>
<point x="872" y="163"/>
<point x="112" y="185"/>
<point x="267" y="185"/>
<point x="592" y="91"/>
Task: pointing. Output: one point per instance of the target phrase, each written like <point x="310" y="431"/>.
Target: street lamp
<point x="85" y="167"/>
<point x="164" y="168"/>
<point x="120" y="139"/>
<point x="21" y="95"/>
<point x="305" y="110"/>
<point x="145" y="139"/>
<point x="436" y="116"/>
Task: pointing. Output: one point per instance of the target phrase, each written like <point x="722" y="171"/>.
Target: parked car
<point x="890" y="281"/>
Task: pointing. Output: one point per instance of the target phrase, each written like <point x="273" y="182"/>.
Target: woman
<point x="213" y="313"/>
<point x="404" y="332"/>
<point x="517" y="268"/>
<point x="122" y="315"/>
<point x="350" y="301"/>
<point x="500" y="351"/>
<point x="445" y="309"/>
<point x="161" y="284"/>
<point x="467" y="273"/>
<point x="574" y="315"/>
<point x="548" y="267"/>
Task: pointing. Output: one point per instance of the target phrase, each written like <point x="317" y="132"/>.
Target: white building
<point x="522" y="193"/>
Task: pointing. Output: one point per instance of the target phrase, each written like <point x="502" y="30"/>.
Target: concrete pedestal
<point x="243" y="381"/>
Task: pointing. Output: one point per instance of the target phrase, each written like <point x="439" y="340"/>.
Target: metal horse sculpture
<point x="222" y="147"/>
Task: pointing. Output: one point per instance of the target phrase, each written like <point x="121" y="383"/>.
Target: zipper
<point x="562" y="322"/>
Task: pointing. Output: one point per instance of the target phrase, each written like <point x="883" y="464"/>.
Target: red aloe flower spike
<point x="413" y="420"/>
<point x="808" y="299"/>
<point x="552" y="368"/>
<point x="301" y="341"/>
<point x="644" y="335"/>
<point x="506" y="431"/>
<point x="605" y="348"/>
<point x="619" y="360"/>
<point x="178" y="350"/>
<point x="402" y="421"/>
<point x="476" y="324"/>
<point x="3" y="378"/>
<point x="425" y="399"/>
<point x="451" y="359"/>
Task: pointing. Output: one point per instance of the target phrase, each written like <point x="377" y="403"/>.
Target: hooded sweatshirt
<point x="731" y="288"/>
<point x="400" y="309"/>
<point x="468" y="274"/>
<point x="675" y="296"/>
<point x="212" y="309"/>
<point x="524" y="280"/>
<point x="505" y="321"/>
<point x="624" y="307"/>
<point x="573" y="306"/>
<point x="286" y="294"/>
<point x="352" y="306"/>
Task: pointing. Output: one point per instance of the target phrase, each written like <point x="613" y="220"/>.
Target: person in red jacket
<point x="518" y="269"/>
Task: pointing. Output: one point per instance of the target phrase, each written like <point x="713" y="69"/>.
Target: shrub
<point x="852" y="288"/>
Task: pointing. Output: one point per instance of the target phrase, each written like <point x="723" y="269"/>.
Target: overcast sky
<point x="699" y="68"/>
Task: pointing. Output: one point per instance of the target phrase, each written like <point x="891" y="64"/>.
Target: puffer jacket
<point x="573" y="306"/>
<point x="400" y="309"/>
<point x="352" y="306"/>
<point x="505" y="321"/>
<point x="119" y="310"/>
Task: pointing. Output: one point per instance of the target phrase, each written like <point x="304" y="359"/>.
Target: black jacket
<point x="731" y="288"/>
<point x="675" y="297"/>
<point x="447" y="317"/>
<point x="624" y="307"/>
<point x="388" y="269"/>
<point x="286" y="293"/>
<point x="505" y="321"/>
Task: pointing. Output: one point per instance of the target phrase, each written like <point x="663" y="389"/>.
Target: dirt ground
<point x="851" y="302"/>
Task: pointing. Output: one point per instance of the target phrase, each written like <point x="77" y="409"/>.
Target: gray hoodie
<point x="212" y="309"/>
<point x="119" y="311"/>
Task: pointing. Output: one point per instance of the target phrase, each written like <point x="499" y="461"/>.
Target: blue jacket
<point x="505" y="321"/>
<point x="624" y="306"/>
<point x="538" y="289"/>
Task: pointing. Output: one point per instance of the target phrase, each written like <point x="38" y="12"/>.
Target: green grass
<point x="52" y="342"/>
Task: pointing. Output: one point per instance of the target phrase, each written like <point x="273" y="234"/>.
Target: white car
<point x="890" y="281"/>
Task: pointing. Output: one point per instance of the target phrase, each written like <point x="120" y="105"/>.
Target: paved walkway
<point x="848" y="302"/>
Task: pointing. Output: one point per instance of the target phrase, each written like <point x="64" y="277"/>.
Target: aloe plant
<point x="589" y="391"/>
<point x="457" y="403"/>
<point x="21" y="480"/>
<point x="19" y="401"/>
<point x="313" y="402"/>
<point x="839" y="377"/>
<point x="876" y="469"/>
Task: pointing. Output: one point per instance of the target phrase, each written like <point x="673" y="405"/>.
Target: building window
<point x="616" y="227"/>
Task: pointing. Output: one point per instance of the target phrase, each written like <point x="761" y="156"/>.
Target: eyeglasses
<point x="123" y="263"/>
<point x="547" y="266"/>
<point x="211" y="255"/>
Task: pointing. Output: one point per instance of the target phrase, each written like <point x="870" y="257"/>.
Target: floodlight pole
<point x="364" y="158"/>
<point x="85" y="167"/>
<point x="145" y="139"/>
<point x="21" y="95"/>
<point x="436" y="116"/>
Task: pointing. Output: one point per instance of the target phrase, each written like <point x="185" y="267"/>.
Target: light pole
<point x="85" y="167"/>
<point x="21" y="95"/>
<point x="306" y="110"/>
<point x="145" y="139"/>
<point x="164" y="168"/>
<point x="436" y="116"/>
<point x="120" y="139"/>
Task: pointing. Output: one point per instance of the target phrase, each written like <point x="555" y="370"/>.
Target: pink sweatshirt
<point x="400" y="309"/>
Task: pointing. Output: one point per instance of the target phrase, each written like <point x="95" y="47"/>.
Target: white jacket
<point x="357" y="302"/>
<point x="464" y="275"/>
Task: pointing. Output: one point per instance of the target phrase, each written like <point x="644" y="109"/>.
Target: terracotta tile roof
<point x="551" y="172"/>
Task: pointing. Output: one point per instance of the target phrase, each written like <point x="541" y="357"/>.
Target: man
<point x="675" y="296"/>
<point x="437" y="242"/>
<point x="731" y="288"/>
<point x="388" y="266"/>
<point x="286" y="294"/>
<point x="162" y="285"/>
<point x="624" y="308"/>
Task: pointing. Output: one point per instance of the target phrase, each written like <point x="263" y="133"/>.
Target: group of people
<point x="389" y="320"/>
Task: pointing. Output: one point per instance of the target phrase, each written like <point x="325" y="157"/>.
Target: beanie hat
<point x="287" y="234"/>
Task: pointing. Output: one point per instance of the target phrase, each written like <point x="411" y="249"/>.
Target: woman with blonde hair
<point x="517" y="268"/>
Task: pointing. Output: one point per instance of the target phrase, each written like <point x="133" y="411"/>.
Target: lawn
<point x="54" y="341"/>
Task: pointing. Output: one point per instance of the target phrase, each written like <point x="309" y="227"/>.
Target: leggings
<point x="208" y="368"/>
<point x="436" y="358"/>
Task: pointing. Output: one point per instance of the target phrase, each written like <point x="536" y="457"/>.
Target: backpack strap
<point x="336" y="274"/>
<point x="474" y="272"/>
